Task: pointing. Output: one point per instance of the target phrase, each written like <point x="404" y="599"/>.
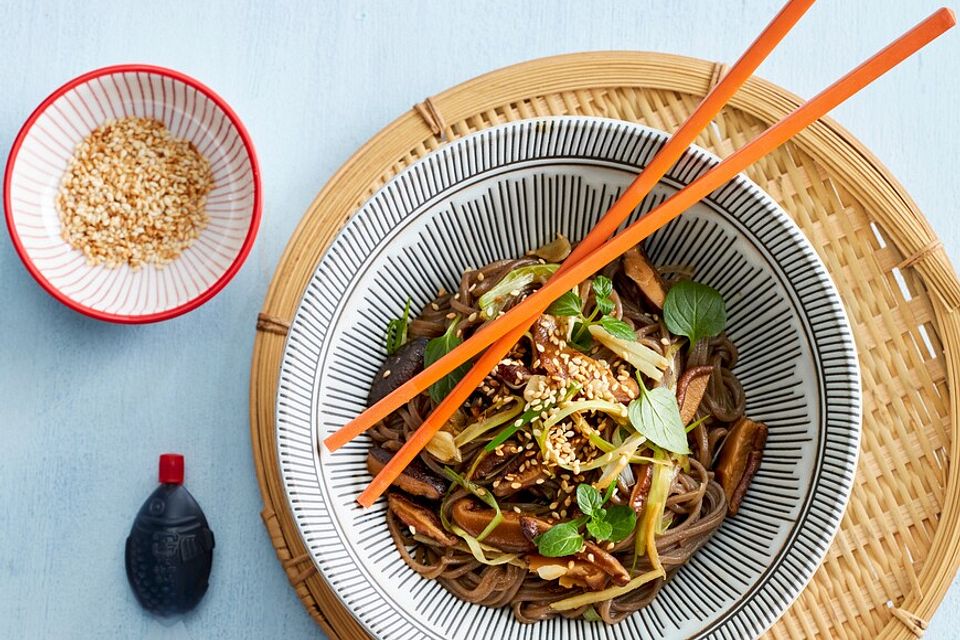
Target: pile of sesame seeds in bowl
<point x="133" y="194"/>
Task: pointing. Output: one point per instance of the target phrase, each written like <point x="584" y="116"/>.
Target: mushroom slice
<point x="637" y="267"/>
<point x="532" y="526"/>
<point x="569" y="365"/>
<point x="569" y="572"/>
<point x="511" y="372"/>
<point x="556" y="250"/>
<point x="420" y="519"/>
<point x="641" y="488"/>
<point x="474" y="518"/>
<point x="592" y="554"/>
<point x="520" y="474"/>
<point x="491" y="462"/>
<point x="604" y="561"/>
<point x="690" y="391"/>
<point x="397" y="369"/>
<point x="740" y="460"/>
<point x="416" y="479"/>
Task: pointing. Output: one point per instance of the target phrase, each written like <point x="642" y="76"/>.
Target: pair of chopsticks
<point x="595" y="251"/>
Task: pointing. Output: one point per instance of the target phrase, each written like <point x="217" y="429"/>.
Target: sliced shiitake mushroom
<point x="397" y="369"/>
<point x="473" y="518"/>
<point x="637" y="267"/>
<point x="740" y="459"/>
<point x="551" y="360"/>
<point x="556" y="250"/>
<point x="569" y="573"/>
<point x="422" y="520"/>
<point x="416" y="479"/>
<point x="690" y="391"/>
<point x="596" y="556"/>
<point x="641" y="488"/>
<point x="591" y="553"/>
<point x="512" y="373"/>
<point x="491" y="463"/>
<point x="522" y="473"/>
<point x="532" y="526"/>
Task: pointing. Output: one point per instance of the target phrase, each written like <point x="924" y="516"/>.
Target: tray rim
<point x="856" y="166"/>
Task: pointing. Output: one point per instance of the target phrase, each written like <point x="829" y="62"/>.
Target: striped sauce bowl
<point x="40" y="156"/>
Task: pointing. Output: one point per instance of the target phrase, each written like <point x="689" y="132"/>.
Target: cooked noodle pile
<point x="567" y="430"/>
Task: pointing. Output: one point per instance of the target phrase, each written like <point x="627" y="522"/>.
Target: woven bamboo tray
<point x="897" y="551"/>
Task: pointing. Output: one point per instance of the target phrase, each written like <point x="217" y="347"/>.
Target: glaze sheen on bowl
<point x="39" y="159"/>
<point x="496" y="194"/>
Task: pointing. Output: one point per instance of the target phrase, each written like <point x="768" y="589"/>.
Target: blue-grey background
<point x="85" y="407"/>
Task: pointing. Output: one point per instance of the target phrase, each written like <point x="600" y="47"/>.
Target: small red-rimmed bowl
<point x="39" y="158"/>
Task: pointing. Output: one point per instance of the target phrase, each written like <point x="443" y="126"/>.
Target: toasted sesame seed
<point x="435" y="306"/>
<point x="480" y="276"/>
<point x="540" y="480"/>
<point x="133" y="194"/>
<point x="386" y="374"/>
<point x="571" y="564"/>
<point x="591" y="557"/>
<point x="516" y="485"/>
<point x="450" y="316"/>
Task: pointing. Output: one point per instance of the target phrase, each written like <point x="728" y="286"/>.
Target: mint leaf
<point x="617" y="328"/>
<point x="560" y="540"/>
<point x="604" y="306"/>
<point x="602" y="287"/>
<point x="590" y="500"/>
<point x="599" y="529"/>
<point x="622" y="520"/>
<point x="567" y="305"/>
<point x="436" y="349"/>
<point x="694" y="310"/>
<point x="655" y="414"/>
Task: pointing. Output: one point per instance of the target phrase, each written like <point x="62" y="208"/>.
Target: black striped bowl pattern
<point x="496" y="194"/>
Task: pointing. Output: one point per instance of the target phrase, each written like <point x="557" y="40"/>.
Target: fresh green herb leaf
<point x="694" y="310"/>
<point x="655" y="414"/>
<point x="589" y="499"/>
<point x="567" y="305"/>
<point x="604" y="306"/>
<point x="602" y="288"/>
<point x="397" y="330"/>
<point x="560" y="540"/>
<point x="600" y="529"/>
<point x="617" y="328"/>
<point x="436" y="349"/>
<point x="622" y="520"/>
<point x="493" y="301"/>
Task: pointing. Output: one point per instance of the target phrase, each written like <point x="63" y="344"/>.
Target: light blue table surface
<point x="85" y="407"/>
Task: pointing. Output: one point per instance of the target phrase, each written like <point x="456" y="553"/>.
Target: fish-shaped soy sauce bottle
<point x="170" y="548"/>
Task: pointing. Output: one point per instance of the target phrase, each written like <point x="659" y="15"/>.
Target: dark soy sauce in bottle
<point x="170" y="548"/>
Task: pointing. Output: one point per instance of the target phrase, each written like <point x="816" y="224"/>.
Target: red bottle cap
<point x="171" y="468"/>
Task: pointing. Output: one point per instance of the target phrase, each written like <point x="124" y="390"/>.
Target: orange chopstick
<point x="702" y="116"/>
<point x="806" y="114"/>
